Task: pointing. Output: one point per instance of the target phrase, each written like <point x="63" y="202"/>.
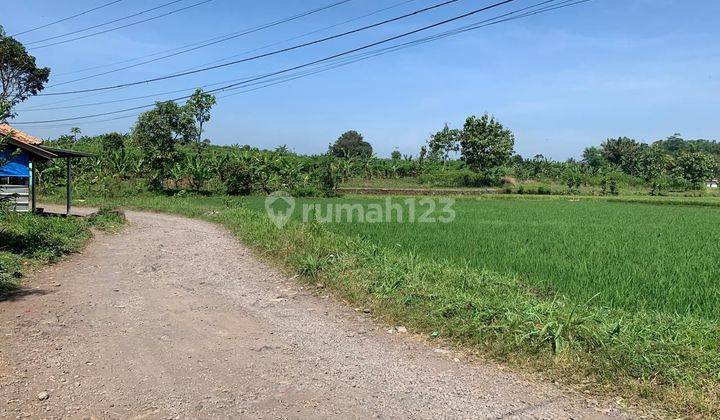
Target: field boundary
<point x="418" y="191"/>
<point x="498" y="193"/>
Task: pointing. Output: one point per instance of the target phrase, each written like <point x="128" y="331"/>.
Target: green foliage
<point x="330" y="177"/>
<point x="593" y="157"/>
<point x="463" y="178"/>
<point x="157" y="133"/>
<point x="107" y="218"/>
<point x="199" y="106"/>
<point x="609" y="185"/>
<point x="574" y="180"/>
<point x="21" y="77"/>
<point x="112" y="142"/>
<point x="676" y="144"/>
<point x="160" y="131"/>
<point x="621" y="152"/>
<point x="351" y="144"/>
<point x="42" y="238"/>
<point x="238" y="177"/>
<point x="395" y="155"/>
<point x="659" y="186"/>
<point x="123" y="166"/>
<point x="485" y="144"/>
<point x="444" y="142"/>
<point x="696" y="167"/>
<point x="653" y="163"/>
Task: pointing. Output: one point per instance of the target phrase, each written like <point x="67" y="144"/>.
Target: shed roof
<point x="33" y="145"/>
<point x="15" y="134"/>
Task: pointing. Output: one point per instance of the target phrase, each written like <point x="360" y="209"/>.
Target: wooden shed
<point x="19" y="155"/>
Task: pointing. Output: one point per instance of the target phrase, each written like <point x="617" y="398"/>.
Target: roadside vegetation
<point x="27" y="241"/>
<point x="585" y="332"/>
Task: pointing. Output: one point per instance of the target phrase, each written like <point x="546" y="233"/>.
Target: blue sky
<point x="561" y="81"/>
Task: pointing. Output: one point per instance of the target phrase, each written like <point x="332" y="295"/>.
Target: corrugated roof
<point x="7" y="130"/>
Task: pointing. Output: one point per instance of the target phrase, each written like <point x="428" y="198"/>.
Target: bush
<point x="463" y="178"/>
<point x="544" y="190"/>
<point x="237" y="177"/>
<point x="659" y="186"/>
<point x="329" y="177"/>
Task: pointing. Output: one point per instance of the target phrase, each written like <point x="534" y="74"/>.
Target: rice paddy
<point x="621" y="255"/>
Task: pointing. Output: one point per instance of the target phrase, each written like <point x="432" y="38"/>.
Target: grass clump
<point x="10" y="271"/>
<point x="107" y="219"/>
<point x="42" y="238"/>
<point x="28" y="239"/>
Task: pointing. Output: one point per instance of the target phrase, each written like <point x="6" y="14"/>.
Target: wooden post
<point x="33" y="186"/>
<point x="67" y="186"/>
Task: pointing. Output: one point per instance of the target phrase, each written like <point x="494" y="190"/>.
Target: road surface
<point x="173" y="319"/>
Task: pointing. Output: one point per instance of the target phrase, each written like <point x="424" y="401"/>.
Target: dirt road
<point x="173" y="319"/>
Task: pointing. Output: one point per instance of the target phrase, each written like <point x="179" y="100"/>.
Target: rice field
<point x="639" y="257"/>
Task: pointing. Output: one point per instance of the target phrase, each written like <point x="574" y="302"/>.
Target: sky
<point x="561" y="81"/>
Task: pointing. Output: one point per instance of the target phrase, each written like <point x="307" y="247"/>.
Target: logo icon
<point x="279" y="206"/>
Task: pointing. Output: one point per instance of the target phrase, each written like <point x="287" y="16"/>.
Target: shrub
<point x="237" y="177"/>
<point x="544" y="190"/>
<point x="329" y="177"/>
<point x="609" y="186"/>
<point x="658" y="186"/>
<point x="463" y="178"/>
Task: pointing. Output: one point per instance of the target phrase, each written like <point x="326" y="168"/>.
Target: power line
<point x="51" y="108"/>
<point x="344" y="53"/>
<point x="174" y="49"/>
<point x="110" y="22"/>
<point x="232" y="36"/>
<point x="66" y="18"/>
<point x="115" y="28"/>
<point x="296" y="36"/>
<point x="524" y="12"/>
<point x="256" y="57"/>
<point x="46" y="108"/>
<point x="214" y="41"/>
<point x="128" y="99"/>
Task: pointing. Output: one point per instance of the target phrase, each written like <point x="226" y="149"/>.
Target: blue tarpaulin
<point x="18" y="166"/>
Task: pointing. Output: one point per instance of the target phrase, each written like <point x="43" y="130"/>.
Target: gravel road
<point x="173" y="318"/>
